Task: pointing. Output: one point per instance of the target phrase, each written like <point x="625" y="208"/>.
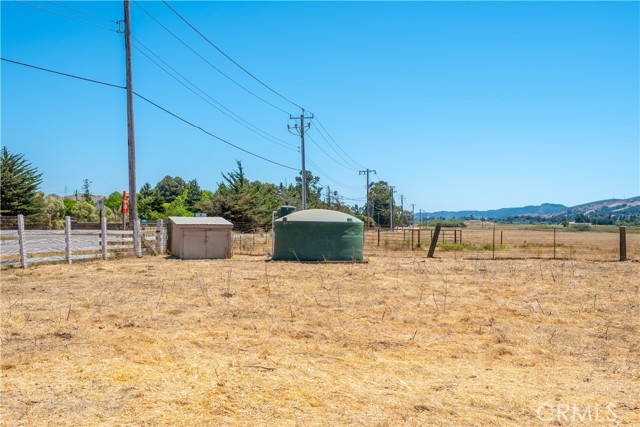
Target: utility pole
<point x="401" y="210"/>
<point x="133" y="212"/>
<point x="391" y="190"/>
<point x="413" y="214"/>
<point x="304" y="170"/>
<point x="369" y="213"/>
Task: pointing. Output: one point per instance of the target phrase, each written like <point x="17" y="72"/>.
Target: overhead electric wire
<point x="155" y="105"/>
<point x="330" y="178"/>
<point x="67" y="16"/>
<point x="64" y="74"/>
<point x="334" y="141"/>
<point x="84" y="12"/>
<point x="209" y="63"/>
<point x="327" y="154"/>
<point x="211" y="134"/>
<point x="224" y="110"/>
<point x="228" y="57"/>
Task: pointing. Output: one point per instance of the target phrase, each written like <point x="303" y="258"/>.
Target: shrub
<point x="449" y="223"/>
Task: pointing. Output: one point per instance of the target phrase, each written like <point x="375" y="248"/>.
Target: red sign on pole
<point x="124" y="208"/>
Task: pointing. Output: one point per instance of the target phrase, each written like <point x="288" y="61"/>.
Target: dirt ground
<point x="400" y="340"/>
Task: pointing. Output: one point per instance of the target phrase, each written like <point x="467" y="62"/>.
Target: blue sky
<point x="458" y="105"/>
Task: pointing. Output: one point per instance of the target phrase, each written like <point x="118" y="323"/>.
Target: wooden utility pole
<point x="369" y="213"/>
<point x="623" y="243"/>
<point x="391" y="191"/>
<point x="413" y="214"/>
<point x="301" y="129"/>
<point x="133" y="211"/>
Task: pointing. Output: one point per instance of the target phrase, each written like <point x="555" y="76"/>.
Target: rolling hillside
<point x="611" y="206"/>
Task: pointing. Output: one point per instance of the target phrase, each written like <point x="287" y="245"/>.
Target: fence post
<point x="136" y="238"/>
<point x="455" y="236"/>
<point x="494" y="241"/>
<point x="554" y="243"/>
<point x="623" y="243"/>
<point x="418" y="237"/>
<point x="412" y="239"/>
<point x="159" y="237"/>
<point x="500" y="237"/>
<point x="378" y="236"/>
<point x="21" y="241"/>
<point x="434" y="241"/>
<point x="67" y="238"/>
<point x="460" y="236"/>
<point x="103" y="230"/>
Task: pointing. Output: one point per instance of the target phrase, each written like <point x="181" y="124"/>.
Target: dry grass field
<point x="517" y="241"/>
<point x="400" y="340"/>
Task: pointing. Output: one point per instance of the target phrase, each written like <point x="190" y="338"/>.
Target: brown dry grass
<point x="401" y="340"/>
<point x="520" y="242"/>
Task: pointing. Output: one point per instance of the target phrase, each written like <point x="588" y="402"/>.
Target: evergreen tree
<point x="19" y="185"/>
<point x="86" y="190"/>
<point x="169" y="188"/>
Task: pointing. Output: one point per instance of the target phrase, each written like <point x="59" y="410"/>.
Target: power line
<point x="211" y="134"/>
<point x="330" y="178"/>
<point x="224" y="110"/>
<point x="337" y="145"/>
<point x="155" y="105"/>
<point x="228" y="57"/>
<point x="205" y="60"/>
<point x="63" y="74"/>
<point x="331" y="145"/>
<point x="84" y="12"/>
<point x="67" y="16"/>
<point x="329" y="155"/>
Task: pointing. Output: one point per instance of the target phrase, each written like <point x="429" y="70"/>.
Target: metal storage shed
<point x="200" y="238"/>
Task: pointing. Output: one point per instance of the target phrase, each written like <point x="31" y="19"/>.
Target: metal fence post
<point x="21" y="241"/>
<point x="67" y="238"/>
<point x="103" y="236"/>
<point x="136" y="238"/>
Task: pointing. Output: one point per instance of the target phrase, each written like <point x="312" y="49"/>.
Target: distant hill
<point x="611" y="206"/>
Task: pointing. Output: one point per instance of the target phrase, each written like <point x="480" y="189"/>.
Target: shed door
<point x="217" y="243"/>
<point x="193" y="244"/>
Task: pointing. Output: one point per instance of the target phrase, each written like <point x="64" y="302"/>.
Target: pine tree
<point x="19" y="186"/>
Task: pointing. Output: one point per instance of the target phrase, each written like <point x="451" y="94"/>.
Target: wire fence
<point x="500" y="242"/>
<point x="601" y="244"/>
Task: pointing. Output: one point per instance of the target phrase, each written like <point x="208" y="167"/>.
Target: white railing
<point x="23" y="247"/>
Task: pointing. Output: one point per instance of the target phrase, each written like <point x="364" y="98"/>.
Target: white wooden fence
<point x="23" y="247"/>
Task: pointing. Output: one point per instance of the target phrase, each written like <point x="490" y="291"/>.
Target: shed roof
<point x="319" y="215"/>
<point x="212" y="221"/>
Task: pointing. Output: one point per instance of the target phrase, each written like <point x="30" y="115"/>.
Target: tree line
<point x="237" y="199"/>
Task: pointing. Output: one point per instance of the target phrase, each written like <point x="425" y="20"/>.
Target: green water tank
<point x="285" y="210"/>
<point x="318" y="235"/>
